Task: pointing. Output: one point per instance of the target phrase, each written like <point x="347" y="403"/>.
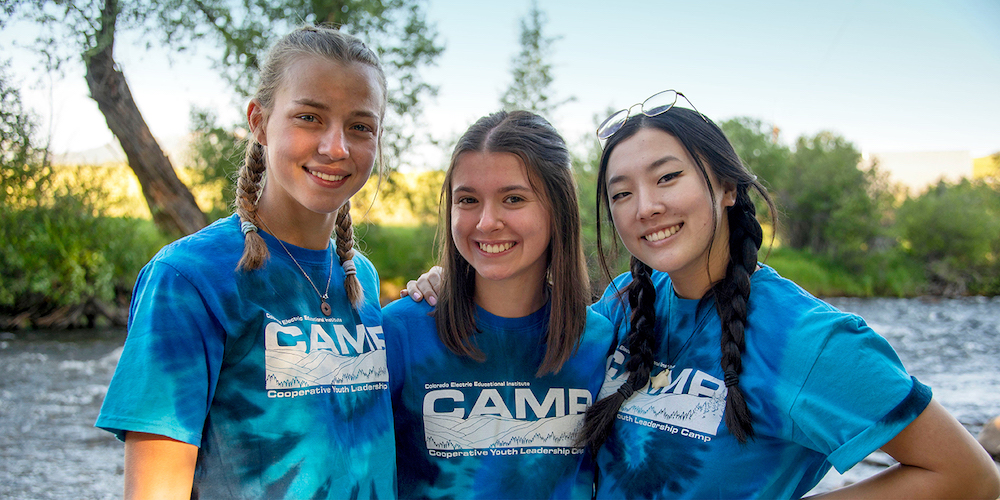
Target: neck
<point x="510" y="298"/>
<point x="307" y="230"/>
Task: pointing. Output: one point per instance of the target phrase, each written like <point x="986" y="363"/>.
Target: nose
<point x="649" y="204"/>
<point x="490" y="219"/>
<point x="333" y="144"/>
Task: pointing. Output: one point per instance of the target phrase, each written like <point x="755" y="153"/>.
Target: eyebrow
<point x="305" y="101"/>
<point x="505" y="189"/>
<point x="654" y="164"/>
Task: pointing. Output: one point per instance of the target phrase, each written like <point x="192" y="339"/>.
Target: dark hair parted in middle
<point x="712" y="152"/>
<point x="545" y="156"/>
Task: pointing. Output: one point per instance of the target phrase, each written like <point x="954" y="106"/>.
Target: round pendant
<point x="327" y="310"/>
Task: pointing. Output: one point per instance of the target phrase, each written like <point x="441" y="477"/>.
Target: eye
<point x="361" y="127"/>
<point x="669" y="177"/>
<point x="308" y="118"/>
<point x="620" y="195"/>
<point x="465" y="200"/>
<point x="515" y="198"/>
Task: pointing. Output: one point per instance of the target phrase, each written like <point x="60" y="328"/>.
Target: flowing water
<point x="52" y="385"/>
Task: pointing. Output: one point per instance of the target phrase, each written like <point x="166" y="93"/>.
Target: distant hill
<point x="175" y="148"/>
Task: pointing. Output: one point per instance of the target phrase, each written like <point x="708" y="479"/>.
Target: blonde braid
<point x="345" y="250"/>
<point x="251" y="176"/>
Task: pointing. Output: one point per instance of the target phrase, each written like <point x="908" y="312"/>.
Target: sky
<point x="888" y="75"/>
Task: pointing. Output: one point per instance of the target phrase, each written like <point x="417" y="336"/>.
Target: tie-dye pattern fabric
<point x="490" y="430"/>
<point x="282" y="401"/>
<point x="823" y="389"/>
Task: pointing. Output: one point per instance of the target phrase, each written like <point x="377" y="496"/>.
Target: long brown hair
<point x="544" y="154"/>
<point x="318" y="41"/>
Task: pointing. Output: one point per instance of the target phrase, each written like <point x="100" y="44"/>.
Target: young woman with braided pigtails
<point x="255" y="362"/>
<point x="731" y="381"/>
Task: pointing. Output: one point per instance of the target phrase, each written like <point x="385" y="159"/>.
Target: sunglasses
<point x="656" y="104"/>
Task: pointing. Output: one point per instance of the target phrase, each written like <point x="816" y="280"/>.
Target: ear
<point x="728" y="193"/>
<point x="257" y="121"/>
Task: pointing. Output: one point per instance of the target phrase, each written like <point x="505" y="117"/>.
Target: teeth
<point x="495" y="248"/>
<point x="659" y="235"/>
<point x="328" y="177"/>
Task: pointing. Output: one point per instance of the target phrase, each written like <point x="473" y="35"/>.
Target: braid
<point x="732" y="294"/>
<point x="251" y="176"/>
<point x="345" y="250"/>
<point x="641" y="344"/>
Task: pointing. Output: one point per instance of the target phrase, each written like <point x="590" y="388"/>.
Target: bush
<point x="954" y="230"/>
<point x="400" y="253"/>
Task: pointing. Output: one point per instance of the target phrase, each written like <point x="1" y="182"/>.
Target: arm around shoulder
<point x="157" y="467"/>
<point x="938" y="458"/>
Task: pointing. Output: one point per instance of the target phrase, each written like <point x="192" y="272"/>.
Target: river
<point x="53" y="384"/>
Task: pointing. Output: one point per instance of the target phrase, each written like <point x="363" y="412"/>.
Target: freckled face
<point x="500" y="225"/>
<point x="321" y="137"/>
<point x="662" y="208"/>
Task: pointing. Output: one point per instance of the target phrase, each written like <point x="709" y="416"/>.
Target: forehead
<point x="486" y="171"/>
<point x="643" y="150"/>
<point x="319" y="80"/>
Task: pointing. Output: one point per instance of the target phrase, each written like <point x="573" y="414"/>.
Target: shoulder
<point x="777" y="297"/>
<point x="406" y="310"/>
<point x="211" y="246"/>
<point x="599" y="330"/>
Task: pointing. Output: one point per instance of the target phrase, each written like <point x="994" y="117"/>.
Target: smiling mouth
<point x="663" y="233"/>
<point x="328" y="177"/>
<point x="489" y="248"/>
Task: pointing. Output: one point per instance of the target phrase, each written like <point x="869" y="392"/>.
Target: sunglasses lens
<point x="659" y="103"/>
<point x="612" y="124"/>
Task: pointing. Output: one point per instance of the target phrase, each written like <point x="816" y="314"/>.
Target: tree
<point x="954" y="230"/>
<point x="92" y="28"/>
<point x="832" y="206"/>
<point x="531" y="72"/>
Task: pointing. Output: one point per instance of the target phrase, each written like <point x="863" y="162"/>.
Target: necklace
<point x="323" y="306"/>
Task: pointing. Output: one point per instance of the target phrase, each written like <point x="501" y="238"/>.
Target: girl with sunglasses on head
<point x="730" y="381"/>
<point x="490" y="387"/>
<point x="255" y="364"/>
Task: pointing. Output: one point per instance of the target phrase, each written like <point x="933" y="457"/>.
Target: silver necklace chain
<point x="322" y="296"/>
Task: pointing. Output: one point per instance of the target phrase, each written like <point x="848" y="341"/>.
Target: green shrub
<point x="400" y="253"/>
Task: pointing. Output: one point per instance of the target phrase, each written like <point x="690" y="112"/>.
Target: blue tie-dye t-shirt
<point x="490" y="430"/>
<point x="822" y="388"/>
<point x="282" y="401"/>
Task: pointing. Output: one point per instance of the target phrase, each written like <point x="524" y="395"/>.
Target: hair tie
<point x="732" y="378"/>
<point x="626" y="390"/>
<point x="349" y="268"/>
<point x="247" y="227"/>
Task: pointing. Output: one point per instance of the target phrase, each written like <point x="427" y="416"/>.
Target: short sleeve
<point x="857" y="396"/>
<point x="169" y="367"/>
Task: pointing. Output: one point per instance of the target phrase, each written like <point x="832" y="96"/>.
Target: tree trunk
<point x="171" y="203"/>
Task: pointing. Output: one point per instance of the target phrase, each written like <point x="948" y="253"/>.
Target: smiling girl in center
<point x="490" y="387"/>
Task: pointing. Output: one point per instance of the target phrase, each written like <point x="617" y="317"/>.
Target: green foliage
<point x="886" y="274"/>
<point x="757" y="145"/>
<point x="61" y="262"/>
<point x="399" y="253"/>
<point x="531" y="74"/>
<point x="829" y="205"/>
<point x="585" y="171"/>
<point x="216" y="155"/>
<point x="23" y="171"/>
<point x="954" y="229"/>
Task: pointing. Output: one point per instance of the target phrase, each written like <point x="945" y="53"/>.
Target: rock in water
<point x="989" y="437"/>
